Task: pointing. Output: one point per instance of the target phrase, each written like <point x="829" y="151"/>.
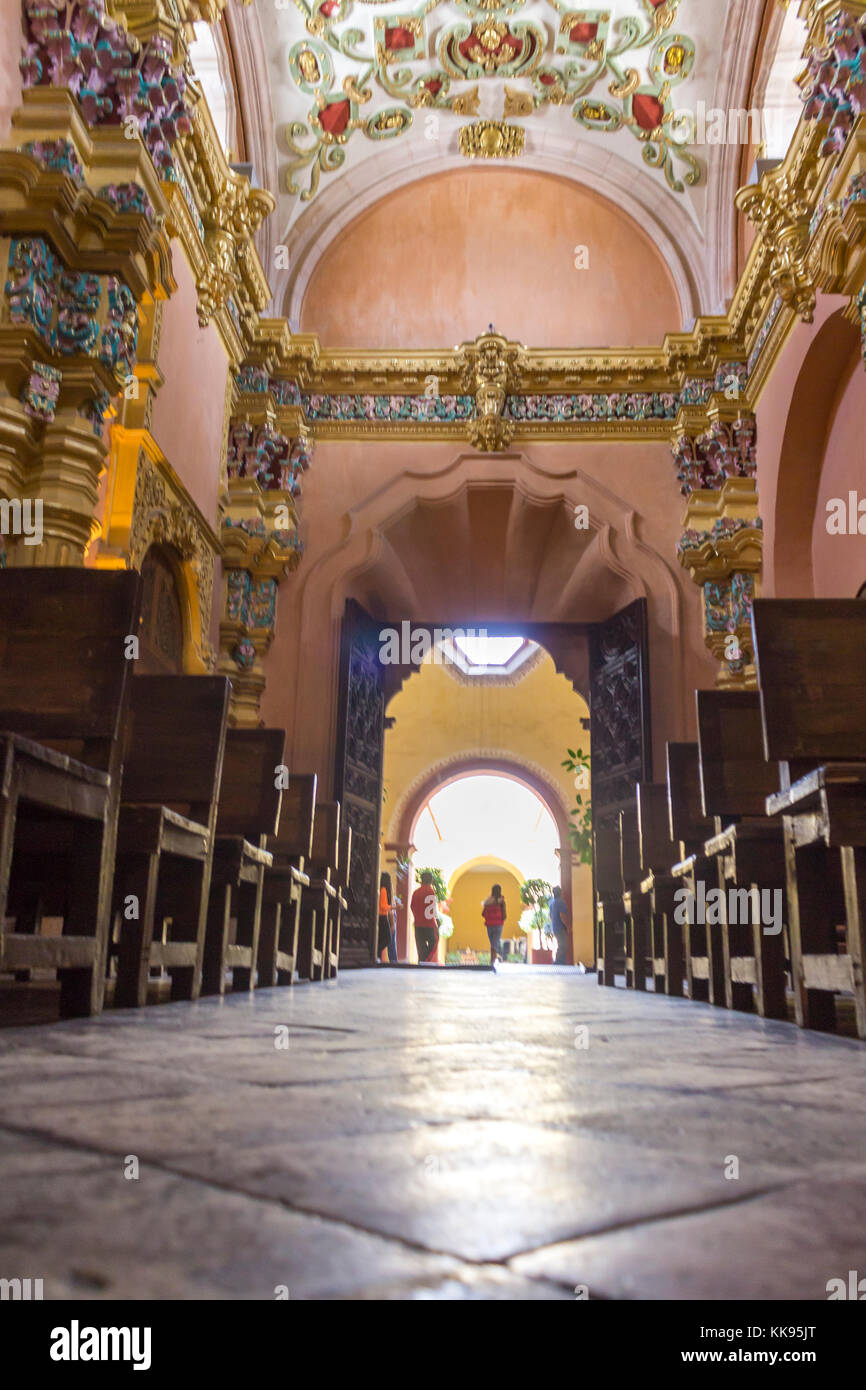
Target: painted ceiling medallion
<point x="615" y="67"/>
<point x="491" y="49"/>
<point x="491" y="140"/>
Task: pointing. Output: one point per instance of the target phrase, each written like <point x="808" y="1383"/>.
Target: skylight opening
<point x="488" y="651"/>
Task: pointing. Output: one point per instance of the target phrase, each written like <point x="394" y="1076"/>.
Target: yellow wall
<point x="532" y="722"/>
<point x="469" y="891"/>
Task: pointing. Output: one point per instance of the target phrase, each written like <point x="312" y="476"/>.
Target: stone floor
<point x="432" y="1134"/>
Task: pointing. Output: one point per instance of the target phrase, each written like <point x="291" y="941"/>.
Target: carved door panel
<point x="358" y="776"/>
<point x="161" y="633"/>
<point x="619" y="704"/>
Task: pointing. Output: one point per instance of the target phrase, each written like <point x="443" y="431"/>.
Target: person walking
<point x="493" y="912"/>
<point x="559" y="925"/>
<point x="425" y="907"/>
<point x="387" y="921"/>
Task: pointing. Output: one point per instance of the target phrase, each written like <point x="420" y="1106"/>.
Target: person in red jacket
<point x="493" y="912"/>
<point x="424" y="913"/>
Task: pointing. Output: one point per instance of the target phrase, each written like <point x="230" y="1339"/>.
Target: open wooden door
<point x="620" y="725"/>
<point x="358" y="776"/>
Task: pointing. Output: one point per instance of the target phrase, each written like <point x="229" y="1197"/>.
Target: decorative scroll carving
<point x="619" y="709"/>
<point x="117" y="79"/>
<point x="728" y="449"/>
<point x="358" y="775"/>
<point x="489" y="368"/>
<point x="834" y="85"/>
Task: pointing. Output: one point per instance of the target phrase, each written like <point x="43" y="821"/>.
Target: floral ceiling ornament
<point x="614" y="71"/>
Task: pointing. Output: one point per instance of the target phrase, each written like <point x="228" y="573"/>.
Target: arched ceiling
<point x="365" y="96"/>
<point x="490" y="553"/>
<point x="588" y="273"/>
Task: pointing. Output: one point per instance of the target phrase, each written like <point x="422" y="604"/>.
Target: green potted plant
<point x="535" y="921"/>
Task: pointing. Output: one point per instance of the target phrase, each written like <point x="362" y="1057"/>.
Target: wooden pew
<point x="609" y="911"/>
<point x="735" y="782"/>
<point x="249" y="812"/>
<point x="695" y="870"/>
<point x="340" y="903"/>
<point x="811" y="662"/>
<point x="658" y="851"/>
<point x="636" y="916"/>
<point x="285" y="881"/>
<point x="64" y="679"/>
<point x="316" y="900"/>
<point x="175" y="736"/>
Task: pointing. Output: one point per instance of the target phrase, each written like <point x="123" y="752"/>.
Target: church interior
<point x="440" y="430"/>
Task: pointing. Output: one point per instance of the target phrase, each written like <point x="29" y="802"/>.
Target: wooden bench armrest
<point x="805" y="794"/>
<point x="61" y="761"/>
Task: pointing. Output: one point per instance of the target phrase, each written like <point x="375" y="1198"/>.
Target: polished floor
<point x="432" y="1134"/>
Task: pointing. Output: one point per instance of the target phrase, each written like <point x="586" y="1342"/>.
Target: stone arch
<point x="483" y="861"/>
<point x="617" y="558"/>
<point x="464" y="765"/>
<point x="813" y="405"/>
<point x="598" y="169"/>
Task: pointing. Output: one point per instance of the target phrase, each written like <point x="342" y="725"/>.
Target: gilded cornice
<point x="810" y="217"/>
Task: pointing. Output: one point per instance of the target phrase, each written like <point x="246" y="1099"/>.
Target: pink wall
<point x="188" y="414"/>
<point x="773" y="438"/>
<point x="839" y="561"/>
<point x="11" y="47"/>
<point x="498" y="246"/>
<point x="795" y="417"/>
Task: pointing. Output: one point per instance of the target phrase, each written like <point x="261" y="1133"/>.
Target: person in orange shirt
<point x="424" y="912"/>
<point x="387" y="921"/>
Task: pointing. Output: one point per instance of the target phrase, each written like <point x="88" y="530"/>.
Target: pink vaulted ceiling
<point x="432" y="264"/>
<point x="490" y="553"/>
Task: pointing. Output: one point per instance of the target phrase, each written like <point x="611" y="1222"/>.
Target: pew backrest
<point x="326" y="835"/>
<point x="251" y="787"/>
<point x="735" y="777"/>
<point x="64" y="668"/>
<point x="629" y="843"/>
<point x="175" y="738"/>
<point x="688" y="823"/>
<point x="607" y="858"/>
<point x="294" y="837"/>
<point x="658" y="851"/>
<point x="810" y="656"/>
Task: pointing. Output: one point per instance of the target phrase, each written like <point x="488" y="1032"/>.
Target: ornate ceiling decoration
<point x="353" y="77"/>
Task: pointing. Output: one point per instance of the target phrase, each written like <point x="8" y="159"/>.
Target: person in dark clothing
<point x="493" y="912"/>
<point x="559" y="925"/>
<point x="424" y="914"/>
<point x="387" y="921"/>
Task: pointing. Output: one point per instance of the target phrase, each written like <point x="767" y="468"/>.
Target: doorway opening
<point x="477" y="830"/>
<point x="475" y="789"/>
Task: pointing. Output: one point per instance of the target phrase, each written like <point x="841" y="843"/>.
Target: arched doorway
<point x="161" y="635"/>
<point x="525" y="834"/>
